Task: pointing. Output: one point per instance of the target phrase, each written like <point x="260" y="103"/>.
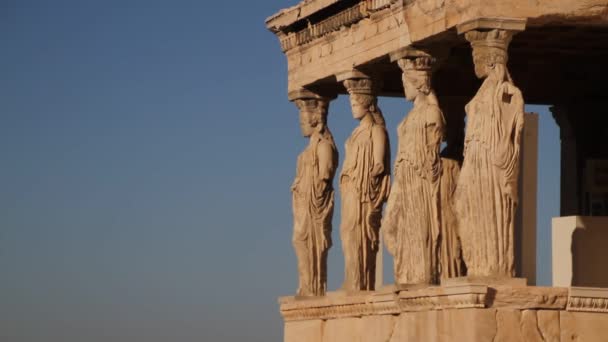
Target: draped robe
<point x="313" y="206"/>
<point x="362" y="198"/>
<point x="411" y="225"/>
<point x="486" y="194"/>
<point x="451" y="262"/>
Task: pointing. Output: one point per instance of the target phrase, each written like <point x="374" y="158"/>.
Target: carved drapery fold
<point x="486" y="196"/>
<point x="451" y="262"/>
<point x="313" y="194"/>
<point x="411" y="225"/>
<point x="364" y="185"/>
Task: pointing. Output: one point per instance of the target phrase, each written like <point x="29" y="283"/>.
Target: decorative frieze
<point x="376" y="5"/>
<point x="331" y="24"/>
<point x="338" y="305"/>
<point x="439" y="298"/>
<point x="588" y="300"/>
<point x="334" y="23"/>
<point x="395" y="300"/>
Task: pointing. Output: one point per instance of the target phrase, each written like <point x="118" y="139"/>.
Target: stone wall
<point x="449" y="313"/>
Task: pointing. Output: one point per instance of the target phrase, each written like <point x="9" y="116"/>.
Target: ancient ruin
<point x="412" y="221"/>
<point x="364" y="185"/>
<point x="460" y="221"/>
<point x="313" y="194"/>
<point x="486" y="193"/>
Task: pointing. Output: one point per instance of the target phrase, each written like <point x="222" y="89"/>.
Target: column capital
<point x="490" y="37"/>
<point x="490" y="45"/>
<point x="305" y="94"/>
<point x="485" y="24"/>
<point x="353" y="74"/>
<point x="357" y="82"/>
<point x="360" y="82"/>
<point x="562" y="118"/>
<point x="438" y="55"/>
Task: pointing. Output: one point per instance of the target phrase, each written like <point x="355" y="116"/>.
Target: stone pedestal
<point x="578" y="251"/>
<point x="469" y="312"/>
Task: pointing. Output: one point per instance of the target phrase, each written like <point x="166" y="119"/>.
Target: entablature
<point x="322" y="38"/>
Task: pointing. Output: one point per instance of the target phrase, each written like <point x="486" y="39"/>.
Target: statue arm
<point x="326" y="169"/>
<point x="434" y="134"/>
<point x="512" y="108"/>
<point x="435" y="128"/>
<point x="379" y="143"/>
<point x="325" y="157"/>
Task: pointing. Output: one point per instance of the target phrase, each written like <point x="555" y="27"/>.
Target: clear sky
<point x="147" y="149"/>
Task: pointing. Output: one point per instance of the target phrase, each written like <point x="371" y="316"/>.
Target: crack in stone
<point x="322" y="328"/>
<point x="538" y="329"/>
<point x="496" y="321"/>
<point x="393" y="326"/>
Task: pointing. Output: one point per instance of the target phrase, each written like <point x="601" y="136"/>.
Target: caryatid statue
<point x="313" y="194"/>
<point x="451" y="263"/>
<point x="411" y="224"/>
<point x="364" y="186"/>
<point x="486" y="194"/>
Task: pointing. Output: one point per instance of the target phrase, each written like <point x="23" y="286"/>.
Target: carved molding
<point x="305" y="94"/>
<point x="331" y="24"/>
<point x="508" y="24"/>
<point x="439" y="298"/>
<point x="334" y="23"/>
<point x="377" y="5"/>
<point x="554" y="298"/>
<point x="338" y="305"/>
<point x="588" y="300"/>
<point x="462" y="296"/>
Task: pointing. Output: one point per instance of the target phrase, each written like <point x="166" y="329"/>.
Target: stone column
<point x="525" y="228"/>
<point x="570" y="182"/>
<point x="313" y="193"/>
<point x="486" y="197"/>
<point x="364" y="183"/>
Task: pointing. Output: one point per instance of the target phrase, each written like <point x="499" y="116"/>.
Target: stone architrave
<point x="364" y="186"/>
<point x="313" y="194"/>
<point x="486" y="195"/>
<point x="411" y="224"/>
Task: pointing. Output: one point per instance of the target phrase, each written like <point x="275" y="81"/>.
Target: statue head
<point x="362" y="105"/>
<point x="313" y="115"/>
<point x="416" y="76"/>
<point x="363" y="99"/>
<point x="489" y="51"/>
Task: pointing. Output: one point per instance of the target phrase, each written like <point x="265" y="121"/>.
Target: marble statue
<point x="486" y="194"/>
<point x="451" y="263"/>
<point x="364" y="187"/>
<point x="411" y="224"/>
<point x="313" y="197"/>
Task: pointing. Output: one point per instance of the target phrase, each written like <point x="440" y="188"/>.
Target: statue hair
<point x="371" y="103"/>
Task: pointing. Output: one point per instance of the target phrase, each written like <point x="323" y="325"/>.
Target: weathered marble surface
<point x="384" y="26"/>
<point x="411" y="224"/>
<point x="449" y="313"/>
<point x="364" y="186"/>
<point x="451" y="263"/>
<point x="486" y="195"/>
<point x="450" y="253"/>
<point x="313" y="195"/>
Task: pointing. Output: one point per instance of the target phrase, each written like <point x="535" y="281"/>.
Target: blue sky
<point x="147" y="149"/>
